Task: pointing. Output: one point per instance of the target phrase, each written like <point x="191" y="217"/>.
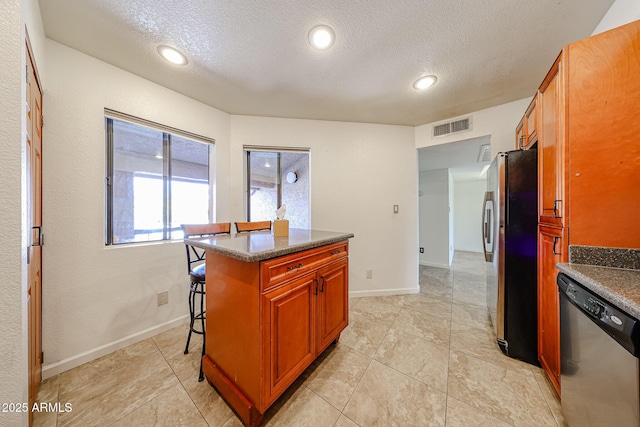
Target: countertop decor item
<point x="281" y="225"/>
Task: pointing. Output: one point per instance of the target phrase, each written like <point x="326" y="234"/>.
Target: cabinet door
<point x="550" y="252"/>
<point x="603" y="173"/>
<point x="333" y="302"/>
<point x="532" y="121"/>
<point x="520" y="135"/>
<point x="551" y="147"/>
<point x="288" y="334"/>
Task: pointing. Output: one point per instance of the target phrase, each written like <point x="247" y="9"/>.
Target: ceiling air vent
<point x="461" y="125"/>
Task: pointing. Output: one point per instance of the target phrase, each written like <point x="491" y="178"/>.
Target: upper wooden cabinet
<point x="588" y="140"/>
<point x="520" y="134"/>
<point x="603" y="75"/>
<point x="551" y="147"/>
<point x="526" y="131"/>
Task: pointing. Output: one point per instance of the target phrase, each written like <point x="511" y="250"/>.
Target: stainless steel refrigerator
<point x="510" y="231"/>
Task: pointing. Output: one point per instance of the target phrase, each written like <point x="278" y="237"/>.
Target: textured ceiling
<point x="252" y="57"/>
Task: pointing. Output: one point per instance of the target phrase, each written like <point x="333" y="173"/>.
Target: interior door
<point x="34" y="216"/>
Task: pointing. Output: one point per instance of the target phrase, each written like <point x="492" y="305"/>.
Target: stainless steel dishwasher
<point x="599" y="346"/>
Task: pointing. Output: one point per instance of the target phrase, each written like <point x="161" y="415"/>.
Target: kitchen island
<point x="273" y="305"/>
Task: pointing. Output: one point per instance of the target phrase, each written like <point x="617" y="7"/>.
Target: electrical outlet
<point x="369" y="274"/>
<point x="163" y="297"/>
<point x="421" y="250"/>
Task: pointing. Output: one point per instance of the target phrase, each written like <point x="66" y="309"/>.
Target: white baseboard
<point x="383" y="292"/>
<point x="52" y="369"/>
<point x="474" y="250"/>
<point x="434" y="264"/>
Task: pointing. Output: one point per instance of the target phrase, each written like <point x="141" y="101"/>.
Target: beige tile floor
<point x="428" y="359"/>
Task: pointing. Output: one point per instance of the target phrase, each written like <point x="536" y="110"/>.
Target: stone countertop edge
<point x="270" y="253"/>
<point x="620" y="287"/>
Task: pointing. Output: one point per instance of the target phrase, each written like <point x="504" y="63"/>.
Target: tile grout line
<point x="446" y="400"/>
<point x="182" y="384"/>
<point x="148" y="401"/>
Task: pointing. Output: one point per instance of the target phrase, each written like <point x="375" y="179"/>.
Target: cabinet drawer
<point x="287" y="267"/>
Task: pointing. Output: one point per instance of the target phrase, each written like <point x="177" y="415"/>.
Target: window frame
<point x="246" y="151"/>
<point x="167" y="134"/>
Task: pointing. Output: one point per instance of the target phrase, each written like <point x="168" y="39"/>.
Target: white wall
<point x="358" y="172"/>
<point x="97" y="299"/>
<point x="467" y="215"/>
<point x="17" y="16"/>
<point x="621" y="12"/>
<point x="434" y="218"/>
<point x="13" y="364"/>
<point x="500" y="122"/>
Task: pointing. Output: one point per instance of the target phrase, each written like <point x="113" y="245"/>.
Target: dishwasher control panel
<point x="619" y="325"/>
<point x="595" y="307"/>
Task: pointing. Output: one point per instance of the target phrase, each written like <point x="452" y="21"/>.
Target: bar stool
<point x="196" y="267"/>
<point x="252" y="226"/>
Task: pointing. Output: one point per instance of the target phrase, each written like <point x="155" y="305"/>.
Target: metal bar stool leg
<point x="192" y="317"/>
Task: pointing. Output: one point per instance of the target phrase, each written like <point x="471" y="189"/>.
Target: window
<point x="276" y="177"/>
<point x="157" y="179"/>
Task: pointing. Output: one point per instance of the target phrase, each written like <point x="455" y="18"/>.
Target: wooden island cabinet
<point x="273" y="305"/>
<point x="588" y="163"/>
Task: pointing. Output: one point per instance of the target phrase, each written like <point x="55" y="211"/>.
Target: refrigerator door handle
<point x="486" y="225"/>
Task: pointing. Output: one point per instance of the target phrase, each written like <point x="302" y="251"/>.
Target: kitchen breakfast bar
<point x="273" y="304"/>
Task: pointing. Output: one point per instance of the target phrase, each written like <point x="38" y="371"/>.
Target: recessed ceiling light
<point x="424" y="82"/>
<point x="172" y="55"/>
<point x="322" y="37"/>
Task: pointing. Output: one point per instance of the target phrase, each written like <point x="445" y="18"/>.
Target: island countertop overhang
<point x="263" y="245"/>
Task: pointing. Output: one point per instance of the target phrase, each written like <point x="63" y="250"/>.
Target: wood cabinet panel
<point x="289" y="333"/>
<point x="531" y="118"/>
<point x="604" y="135"/>
<point x="527" y="129"/>
<point x="232" y="322"/>
<point x="333" y="296"/>
<point x="520" y="130"/>
<point x="283" y="268"/>
<point x="551" y="148"/>
<point x="550" y="251"/>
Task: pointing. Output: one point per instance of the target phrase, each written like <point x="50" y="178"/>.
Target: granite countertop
<point x="261" y="245"/>
<point x="620" y="287"/>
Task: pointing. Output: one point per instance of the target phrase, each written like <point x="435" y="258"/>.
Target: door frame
<point x="34" y="221"/>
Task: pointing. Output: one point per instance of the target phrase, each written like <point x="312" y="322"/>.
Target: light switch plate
<point x="396" y="209"/>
